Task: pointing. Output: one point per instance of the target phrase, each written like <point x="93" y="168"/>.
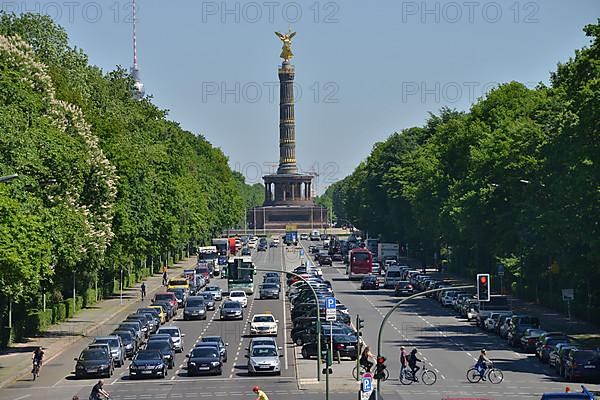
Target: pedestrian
<point x="261" y="395"/>
<point x="75" y="397"/>
<point x="143" y="287"/>
<point x="165" y="278"/>
<point x="403" y="360"/>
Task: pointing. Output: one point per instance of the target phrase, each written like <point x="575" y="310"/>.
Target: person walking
<point x="143" y="288"/>
<point x="403" y="360"/>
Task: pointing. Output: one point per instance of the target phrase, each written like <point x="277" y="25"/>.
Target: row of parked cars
<point x="573" y="360"/>
<point x="304" y="316"/>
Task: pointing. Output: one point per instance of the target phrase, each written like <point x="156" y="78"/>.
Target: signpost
<point x="568" y="295"/>
<point x="330" y="309"/>
<point x="500" y="267"/>
<point x="366" y="387"/>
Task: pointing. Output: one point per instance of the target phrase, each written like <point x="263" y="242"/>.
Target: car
<point x="252" y="244"/>
<point x="215" y="291"/>
<point x="148" y="363"/>
<point x="345" y="344"/>
<point x="503" y="330"/>
<point x="369" y="282"/>
<point x="239" y="296"/>
<point x="166" y="296"/>
<point x="309" y="334"/>
<point x="325" y="259"/>
<point x="146" y="321"/>
<point x="519" y="323"/>
<point x="176" y="335"/>
<point x="165" y="347"/>
<point x="375" y="269"/>
<point x="403" y="288"/>
<point x="195" y="308"/>
<point x="558" y="355"/>
<point x="134" y="326"/>
<point x="231" y="310"/>
<point x="303" y="236"/>
<point x="219" y="341"/>
<point x="263" y="324"/>
<point x="180" y="295"/>
<point x="264" y="360"/>
<point x="546" y="345"/>
<point x="204" y="360"/>
<point x="530" y="338"/>
<point x="162" y="336"/>
<point x="583" y="395"/>
<point x="582" y="365"/>
<point x="161" y="313"/>
<point x="154" y="311"/>
<point x="117" y="348"/>
<point x="246" y="251"/>
<point x="129" y="342"/>
<point x="94" y="362"/>
<point x="274" y="244"/>
<point x="268" y="291"/>
<point x="209" y="300"/>
<point x="262" y="341"/>
<point x="168" y="307"/>
<point x="262" y="247"/>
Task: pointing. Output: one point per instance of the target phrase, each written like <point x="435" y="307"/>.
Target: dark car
<point x="167" y="308"/>
<point x="148" y="363"/>
<point x="231" y="310"/>
<point x="195" y="308"/>
<point x="558" y="356"/>
<point x="530" y="338"/>
<point x="246" y="251"/>
<point x="133" y="326"/>
<point x="179" y="295"/>
<point x="128" y="339"/>
<point x="403" y="288"/>
<point x="309" y="334"/>
<point x="222" y="345"/>
<point x="518" y="325"/>
<point x="274" y="281"/>
<point x="262" y="247"/>
<point x="546" y="344"/>
<point x="325" y="259"/>
<point x="369" y="282"/>
<point x="209" y="300"/>
<point x="94" y="362"/>
<point x="344" y="345"/>
<point x="165" y="348"/>
<point x="582" y="365"/>
<point x="268" y="291"/>
<point x="204" y="360"/>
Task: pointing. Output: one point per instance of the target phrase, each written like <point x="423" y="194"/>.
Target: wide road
<point x="57" y="380"/>
<point x="447" y="344"/>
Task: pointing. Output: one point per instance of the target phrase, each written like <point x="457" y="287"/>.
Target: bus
<point x="240" y="274"/>
<point x="208" y="255"/>
<point x="360" y="263"/>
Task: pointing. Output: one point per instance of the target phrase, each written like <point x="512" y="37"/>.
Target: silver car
<point x="117" y="349"/>
<point x="215" y="291"/>
<point x="176" y="336"/>
<point x="264" y="360"/>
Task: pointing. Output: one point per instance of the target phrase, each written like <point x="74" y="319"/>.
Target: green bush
<point x="60" y="313"/>
<point x="78" y="303"/>
<point x="89" y="297"/>
<point x="70" y="306"/>
<point x="36" y="321"/>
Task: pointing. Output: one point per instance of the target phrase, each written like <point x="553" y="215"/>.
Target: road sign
<point x="367" y="382"/>
<point x="330" y="309"/>
<point x="568" y="295"/>
<point x="500" y="269"/>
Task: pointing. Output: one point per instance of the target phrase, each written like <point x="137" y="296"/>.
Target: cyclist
<point x="364" y="359"/>
<point x="98" y="391"/>
<point x="403" y="360"/>
<point x="38" y="356"/>
<point x="482" y="364"/>
<point x="412" y="363"/>
<point x="260" y="393"/>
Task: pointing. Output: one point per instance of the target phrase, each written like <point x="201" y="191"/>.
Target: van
<point x="392" y="276"/>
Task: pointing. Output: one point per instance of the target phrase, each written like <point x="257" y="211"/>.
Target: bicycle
<point x="35" y="370"/>
<point x="362" y="371"/>
<point x="428" y="377"/>
<point x="494" y="375"/>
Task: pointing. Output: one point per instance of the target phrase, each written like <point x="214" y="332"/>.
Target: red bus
<point x="232" y="248"/>
<point x="360" y="263"/>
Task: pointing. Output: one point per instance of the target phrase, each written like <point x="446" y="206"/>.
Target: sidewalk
<point x="89" y="322"/>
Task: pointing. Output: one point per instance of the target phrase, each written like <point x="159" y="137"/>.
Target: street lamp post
<point x="390" y="313"/>
<point x="8" y="178"/>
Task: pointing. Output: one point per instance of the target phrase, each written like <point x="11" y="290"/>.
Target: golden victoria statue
<point x="286" y="50"/>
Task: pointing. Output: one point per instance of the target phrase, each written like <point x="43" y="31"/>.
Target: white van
<point x="392" y="276"/>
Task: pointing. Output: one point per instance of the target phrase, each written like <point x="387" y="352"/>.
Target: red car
<point x="169" y="296"/>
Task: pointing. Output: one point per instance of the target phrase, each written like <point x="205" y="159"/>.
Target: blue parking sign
<point x="367" y="384"/>
<point x="330" y="303"/>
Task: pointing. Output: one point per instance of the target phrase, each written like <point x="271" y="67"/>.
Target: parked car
<point x="554" y="358"/>
<point x="518" y="325"/>
<point x="547" y="342"/>
<point x="503" y="330"/>
<point x="582" y="365"/>
<point x="346" y="345"/>
<point x="530" y="338"/>
<point x="148" y="363"/>
<point x="94" y="362"/>
<point x="369" y="282"/>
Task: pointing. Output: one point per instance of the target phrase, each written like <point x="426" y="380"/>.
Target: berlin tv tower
<point x="138" y="86"/>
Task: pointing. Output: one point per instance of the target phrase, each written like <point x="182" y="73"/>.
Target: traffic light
<point x="360" y="323"/>
<point x="380" y="368"/>
<point x="483" y="287"/>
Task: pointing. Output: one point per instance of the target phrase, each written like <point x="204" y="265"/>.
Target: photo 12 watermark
<point x="252" y="12"/>
<point x="449" y="92"/>
<point x="453" y="12"/>
<point x="256" y="92"/>
<point x="75" y="11"/>
<point x="323" y="173"/>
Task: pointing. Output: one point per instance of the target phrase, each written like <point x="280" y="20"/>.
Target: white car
<point x="275" y="239"/>
<point x="239" y="296"/>
<point x="263" y="324"/>
<point x="252" y="244"/>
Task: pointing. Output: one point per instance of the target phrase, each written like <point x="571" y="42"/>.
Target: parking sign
<point x="367" y="384"/>
<point x="330" y="309"/>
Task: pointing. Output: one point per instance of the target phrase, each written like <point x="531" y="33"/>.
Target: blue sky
<point x="364" y="69"/>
